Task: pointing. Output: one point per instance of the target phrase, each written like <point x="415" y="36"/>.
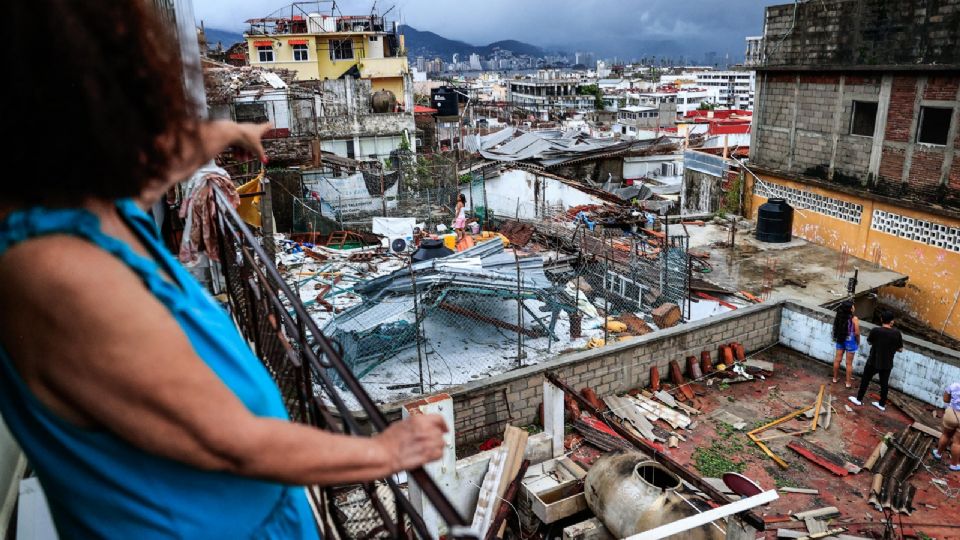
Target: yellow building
<point x="326" y="47"/>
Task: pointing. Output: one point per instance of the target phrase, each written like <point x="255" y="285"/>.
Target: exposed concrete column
<point x="950" y="149"/>
<point x="444" y="470"/>
<point x="835" y="134"/>
<point x="914" y="125"/>
<point x="883" y="109"/>
<point x="793" y="122"/>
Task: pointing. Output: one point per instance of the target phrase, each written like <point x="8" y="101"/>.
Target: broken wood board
<point x="825" y="512"/>
<point x="675" y="418"/>
<point x="814" y="525"/>
<point x="628" y="411"/>
<point x="782" y="435"/>
<point x="926" y="429"/>
<point x="820" y="457"/>
<point x="816" y="411"/>
<point x="803" y="491"/>
<point x="826" y="421"/>
<point x="917" y="412"/>
<point x="729" y="418"/>
<point x="488" y="501"/>
<point x="515" y="441"/>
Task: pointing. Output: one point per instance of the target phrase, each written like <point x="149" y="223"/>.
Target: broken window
<point x="934" y="125"/>
<point x="341" y="49"/>
<point x="300" y="53"/>
<point x="265" y="53"/>
<point x="864" y="118"/>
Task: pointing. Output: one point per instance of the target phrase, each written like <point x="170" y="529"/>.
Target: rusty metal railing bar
<point x="445" y="509"/>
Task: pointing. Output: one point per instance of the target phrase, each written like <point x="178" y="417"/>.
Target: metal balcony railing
<point x="300" y="358"/>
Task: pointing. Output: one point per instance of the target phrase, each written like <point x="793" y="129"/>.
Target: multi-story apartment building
<point x="735" y="89"/>
<point x="549" y="93"/>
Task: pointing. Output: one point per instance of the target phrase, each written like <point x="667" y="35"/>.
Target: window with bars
<point x="341" y="49"/>
<point x="300" y="53"/>
<point x="265" y="53"/>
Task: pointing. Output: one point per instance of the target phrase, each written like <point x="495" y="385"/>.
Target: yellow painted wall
<point x="319" y="66"/>
<point x="393" y="84"/>
<point x="934" y="285"/>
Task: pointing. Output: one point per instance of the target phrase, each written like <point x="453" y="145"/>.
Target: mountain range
<point x="429" y="45"/>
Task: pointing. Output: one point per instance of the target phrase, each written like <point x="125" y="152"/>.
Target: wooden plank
<point x="766" y="450"/>
<point x="676" y="419"/>
<point x="926" y="429"/>
<point x="825" y="512"/>
<point x="826" y="421"/>
<point x="628" y="411"/>
<point x="814" y="525"/>
<point x="824" y="534"/>
<point x="487" y="500"/>
<point x="515" y="440"/>
<point x="709" y="516"/>
<point x="818" y="459"/>
<point x="780" y="420"/>
<point x="782" y="435"/>
<point x="816" y="412"/>
<point x="804" y="491"/>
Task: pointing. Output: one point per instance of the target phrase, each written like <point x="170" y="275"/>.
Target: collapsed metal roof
<point x="547" y="149"/>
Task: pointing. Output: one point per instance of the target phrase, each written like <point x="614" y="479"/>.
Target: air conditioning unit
<point x="398" y="244"/>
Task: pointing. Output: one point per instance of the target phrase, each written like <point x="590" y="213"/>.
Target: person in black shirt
<point x="885" y="341"/>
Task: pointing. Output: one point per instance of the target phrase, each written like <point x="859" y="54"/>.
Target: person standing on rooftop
<point x="950" y="434"/>
<point x="138" y="404"/>
<point x="885" y="341"/>
<point x="846" y="337"/>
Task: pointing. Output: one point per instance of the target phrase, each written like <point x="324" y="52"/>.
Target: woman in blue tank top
<point x="133" y="396"/>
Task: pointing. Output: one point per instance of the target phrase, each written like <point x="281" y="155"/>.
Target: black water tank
<point x="445" y="100"/>
<point x="775" y="222"/>
<point x="430" y="248"/>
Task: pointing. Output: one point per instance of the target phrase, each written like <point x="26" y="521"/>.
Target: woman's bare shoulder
<point x="60" y="270"/>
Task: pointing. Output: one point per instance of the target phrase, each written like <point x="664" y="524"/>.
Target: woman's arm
<point x="212" y="138"/>
<point x="947" y="397"/>
<point x="856" y="328"/>
<point x="100" y="351"/>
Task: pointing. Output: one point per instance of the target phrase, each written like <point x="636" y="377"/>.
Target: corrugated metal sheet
<point x="705" y="163"/>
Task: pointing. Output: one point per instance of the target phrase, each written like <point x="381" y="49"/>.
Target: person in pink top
<point x="951" y="427"/>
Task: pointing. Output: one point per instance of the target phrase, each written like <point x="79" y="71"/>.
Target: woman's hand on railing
<point x="413" y="442"/>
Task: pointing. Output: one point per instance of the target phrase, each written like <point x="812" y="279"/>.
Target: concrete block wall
<point x="844" y="33"/>
<point x="483" y="408"/>
<point x="802" y="127"/>
<point x="922" y="370"/>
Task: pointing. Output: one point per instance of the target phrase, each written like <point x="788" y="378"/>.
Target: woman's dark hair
<point x="841" y="322"/>
<point x="97" y="103"/>
<point x="462" y="198"/>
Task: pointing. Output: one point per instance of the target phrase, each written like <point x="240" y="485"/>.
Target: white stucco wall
<point x="517" y="186"/>
<point x="922" y="370"/>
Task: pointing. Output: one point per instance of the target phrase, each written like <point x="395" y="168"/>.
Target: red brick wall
<point x="858" y="80"/>
<point x="942" y="88"/>
<point x="820" y="79"/>
<point x="891" y="163"/>
<point x="925" y="168"/>
<point x="902" y="96"/>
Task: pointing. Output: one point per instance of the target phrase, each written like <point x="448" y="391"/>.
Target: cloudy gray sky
<point x="615" y="25"/>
